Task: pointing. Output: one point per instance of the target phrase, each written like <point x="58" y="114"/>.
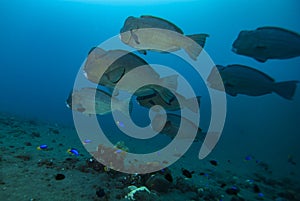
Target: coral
<point x="121" y="145"/>
<point x="111" y="157"/>
<point x="134" y="190"/>
<point x="158" y="183"/>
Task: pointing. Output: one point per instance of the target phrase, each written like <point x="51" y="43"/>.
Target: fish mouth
<point x="125" y="37"/>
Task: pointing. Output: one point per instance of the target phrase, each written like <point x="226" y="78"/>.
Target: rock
<point x="100" y="192"/>
<point x="256" y="189"/>
<point x="287" y="194"/>
<point x="60" y="177"/>
<point x="185" y="186"/>
<point x="35" y="134"/>
<point x="233" y="190"/>
<point x="23" y="157"/>
<point x="280" y="199"/>
<point x="237" y="199"/>
<point x="158" y="183"/>
<point x="28" y="144"/>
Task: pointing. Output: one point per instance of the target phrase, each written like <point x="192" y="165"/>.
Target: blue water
<point x="43" y="44"/>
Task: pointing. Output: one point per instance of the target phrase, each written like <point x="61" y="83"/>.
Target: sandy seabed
<point x="31" y="174"/>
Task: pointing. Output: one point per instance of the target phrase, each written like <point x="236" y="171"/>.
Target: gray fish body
<point x="90" y="101"/>
<point x="239" y="79"/>
<point x="267" y="43"/>
<point x="94" y="101"/>
<point x="156" y="34"/>
<point x="116" y="62"/>
<point x="154" y="98"/>
<point x="146" y="21"/>
<point x="173" y="124"/>
<point x="107" y="68"/>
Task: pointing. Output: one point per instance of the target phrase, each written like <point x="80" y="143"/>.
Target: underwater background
<point x="44" y="43"/>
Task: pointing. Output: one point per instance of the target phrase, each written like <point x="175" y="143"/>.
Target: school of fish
<point x="149" y="33"/>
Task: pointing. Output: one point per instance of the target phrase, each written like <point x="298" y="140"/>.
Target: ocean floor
<point x="54" y="174"/>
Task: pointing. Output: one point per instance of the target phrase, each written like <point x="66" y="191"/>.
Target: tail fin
<point x="286" y="89"/>
<point x="192" y="49"/>
<point x="200" y="137"/>
<point x="199" y="38"/>
<point x="189" y="103"/>
<point x="165" y="94"/>
<point x="123" y="107"/>
<point x="170" y="82"/>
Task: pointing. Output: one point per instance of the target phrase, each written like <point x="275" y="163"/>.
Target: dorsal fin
<point x="279" y="29"/>
<point x="177" y="29"/>
<point x="252" y="69"/>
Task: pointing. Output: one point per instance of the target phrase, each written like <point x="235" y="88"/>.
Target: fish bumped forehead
<point x="93" y="59"/>
<point x="129" y="24"/>
<point x="100" y="61"/>
<point x="96" y="52"/>
<point x="125" y="32"/>
<point x="246" y="39"/>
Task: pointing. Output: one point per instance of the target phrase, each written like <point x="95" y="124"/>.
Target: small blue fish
<point x="234" y="188"/>
<point x="248" y="158"/>
<point x="119" y="123"/>
<point x="73" y="151"/>
<point x="118" y="151"/>
<point x="261" y="195"/>
<point x="86" y="141"/>
<point x="41" y="147"/>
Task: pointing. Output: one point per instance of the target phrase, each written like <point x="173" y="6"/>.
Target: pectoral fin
<point x="144" y="52"/>
<point x="230" y="91"/>
<point x="261" y="59"/>
<point x="113" y="91"/>
<point x="135" y="37"/>
<point x="261" y="47"/>
<point x="189" y="103"/>
<point x="166" y="95"/>
<point x="115" y="75"/>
